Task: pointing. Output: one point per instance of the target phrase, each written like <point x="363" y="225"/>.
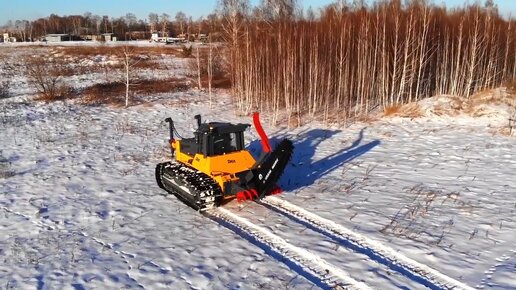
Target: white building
<point x="108" y="37"/>
<point x="57" y="37"/>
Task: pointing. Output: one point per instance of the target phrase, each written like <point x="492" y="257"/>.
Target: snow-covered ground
<point x="80" y="208"/>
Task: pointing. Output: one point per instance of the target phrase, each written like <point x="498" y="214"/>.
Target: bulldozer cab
<point x="214" y="139"/>
<point x="225" y="143"/>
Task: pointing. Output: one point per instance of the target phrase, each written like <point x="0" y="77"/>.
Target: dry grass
<point x="61" y="93"/>
<point x="412" y="110"/>
<point x="4" y="89"/>
<point x="508" y="131"/>
<point x="496" y="96"/>
<point x="89" y="51"/>
<point x="114" y="93"/>
<point x="391" y="110"/>
<point x="161" y="86"/>
<point x="367" y="118"/>
<point x="413" y="220"/>
<point x="105" y="93"/>
<point x="482" y="103"/>
<point x="83" y="51"/>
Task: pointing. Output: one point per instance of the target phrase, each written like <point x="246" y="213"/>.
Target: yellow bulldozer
<point x="215" y="166"/>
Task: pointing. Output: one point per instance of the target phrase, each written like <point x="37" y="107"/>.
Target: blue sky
<point x="33" y="9"/>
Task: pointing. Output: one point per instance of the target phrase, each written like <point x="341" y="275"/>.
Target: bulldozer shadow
<point x="305" y="168"/>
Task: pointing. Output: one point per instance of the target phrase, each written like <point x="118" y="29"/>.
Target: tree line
<point x="353" y="58"/>
<point x="127" y="27"/>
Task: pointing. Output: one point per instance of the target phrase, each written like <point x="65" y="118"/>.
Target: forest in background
<point x="354" y="58"/>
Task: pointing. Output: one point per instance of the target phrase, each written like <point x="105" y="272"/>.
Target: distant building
<point x="202" y="37"/>
<point x="159" y="36"/>
<point x="108" y="37"/>
<point x="57" y="37"/>
<point x="90" y="37"/>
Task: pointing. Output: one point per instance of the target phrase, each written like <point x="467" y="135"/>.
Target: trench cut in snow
<point x="378" y="252"/>
<point x="313" y="267"/>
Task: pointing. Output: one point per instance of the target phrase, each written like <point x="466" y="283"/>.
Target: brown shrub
<point x="411" y="110"/>
<point x="294" y="121"/>
<point x="391" y="110"/>
<point x="45" y="75"/>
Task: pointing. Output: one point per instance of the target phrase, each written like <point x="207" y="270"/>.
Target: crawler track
<point x="192" y="187"/>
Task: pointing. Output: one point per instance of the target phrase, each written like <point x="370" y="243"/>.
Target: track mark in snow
<point x="307" y="264"/>
<point x="26" y="217"/>
<point x="498" y="276"/>
<point x="416" y="271"/>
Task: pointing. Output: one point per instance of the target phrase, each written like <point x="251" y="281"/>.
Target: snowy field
<point x="396" y="203"/>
